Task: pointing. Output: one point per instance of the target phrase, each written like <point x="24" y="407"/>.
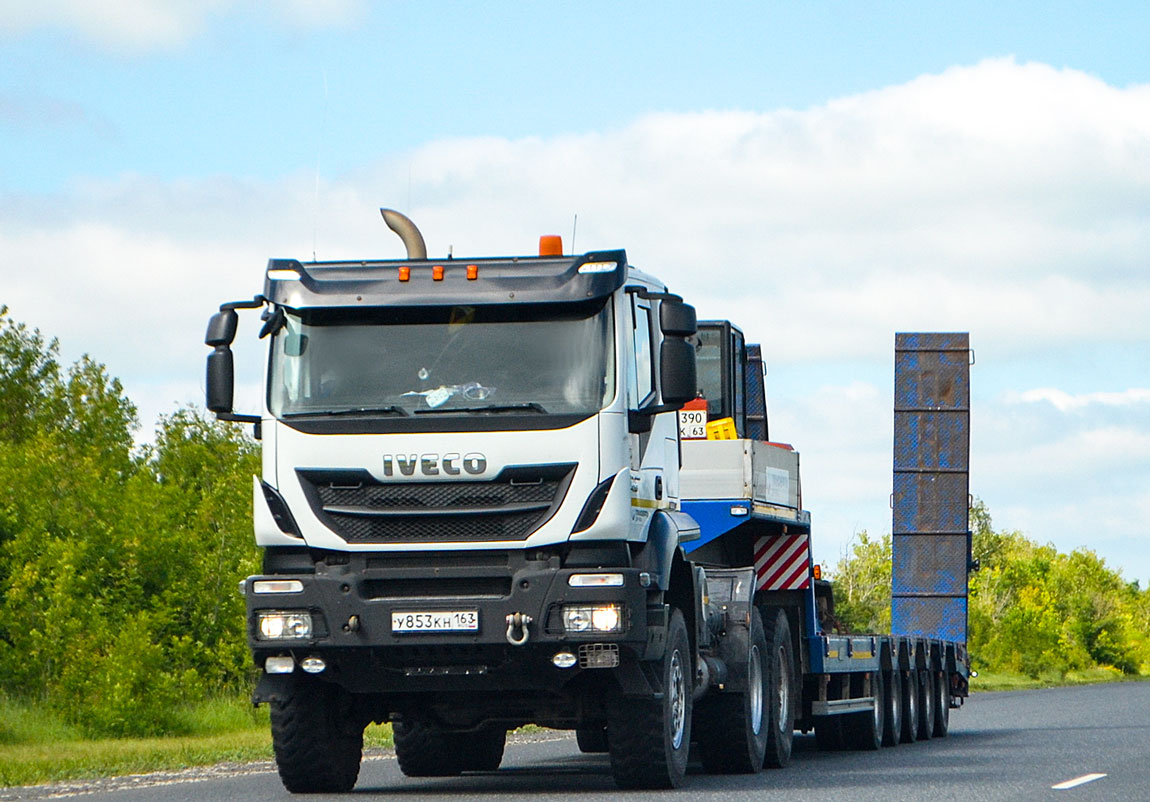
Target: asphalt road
<point x="1002" y="746"/>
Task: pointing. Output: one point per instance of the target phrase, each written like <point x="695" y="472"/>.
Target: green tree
<point x="118" y="565"/>
<point x="861" y="582"/>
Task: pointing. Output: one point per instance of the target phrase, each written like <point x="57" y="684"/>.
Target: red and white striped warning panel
<point x="783" y="562"/>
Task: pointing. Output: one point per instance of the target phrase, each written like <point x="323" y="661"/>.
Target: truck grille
<point x="510" y="507"/>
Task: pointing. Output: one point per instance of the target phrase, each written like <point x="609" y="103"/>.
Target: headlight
<point x="593" y="618"/>
<point x="284" y="625"/>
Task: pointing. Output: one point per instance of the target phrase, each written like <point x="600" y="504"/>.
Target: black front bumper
<point x="352" y="601"/>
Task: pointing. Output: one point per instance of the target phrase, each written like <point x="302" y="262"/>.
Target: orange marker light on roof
<point x="437" y="273"/>
<point x="551" y="245"/>
<point x="472" y="272"/>
<point x="818" y="571"/>
<point x="404" y="273"/>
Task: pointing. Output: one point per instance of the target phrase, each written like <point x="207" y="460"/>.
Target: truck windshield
<point x="443" y="361"/>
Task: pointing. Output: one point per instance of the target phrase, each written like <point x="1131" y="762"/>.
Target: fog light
<point x="279" y="665"/>
<point x="563" y="660"/>
<point x="284" y="625"/>
<point x="593" y="618"/>
<point x="312" y="665"/>
<point x="599" y="655"/>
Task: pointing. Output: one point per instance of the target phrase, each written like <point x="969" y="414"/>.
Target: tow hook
<point x="517" y="623"/>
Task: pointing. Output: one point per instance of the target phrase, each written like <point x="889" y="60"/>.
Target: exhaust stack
<point x="402" y="225"/>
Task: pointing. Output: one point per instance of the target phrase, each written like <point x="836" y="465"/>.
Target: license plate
<point x="693" y="424"/>
<point x="435" y="621"/>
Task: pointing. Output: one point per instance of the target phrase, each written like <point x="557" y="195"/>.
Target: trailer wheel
<point x="782" y="690"/>
<point x="941" y="705"/>
<point x="909" y="706"/>
<point x="649" y="739"/>
<point x="732" y="727"/>
<point x="829" y="734"/>
<point x="925" y="704"/>
<point x="317" y="738"/>
<point x="591" y="740"/>
<point x="865" y="730"/>
<point x="892" y="727"/>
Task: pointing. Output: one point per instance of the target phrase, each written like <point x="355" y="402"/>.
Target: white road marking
<point x="1077" y="781"/>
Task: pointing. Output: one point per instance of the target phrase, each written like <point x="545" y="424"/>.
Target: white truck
<point x="471" y="515"/>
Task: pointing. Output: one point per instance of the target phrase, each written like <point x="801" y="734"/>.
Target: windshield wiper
<point x="388" y="410"/>
<point x="531" y="406"/>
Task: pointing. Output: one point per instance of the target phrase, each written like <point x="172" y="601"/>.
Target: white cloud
<point x="145" y="24"/>
<point x="1068" y="402"/>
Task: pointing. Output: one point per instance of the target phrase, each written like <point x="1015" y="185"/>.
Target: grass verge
<point x="38" y="746"/>
<point x="992" y="681"/>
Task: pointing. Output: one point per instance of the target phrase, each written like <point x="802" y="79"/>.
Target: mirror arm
<point x="255" y="420"/>
<point x="254" y="303"/>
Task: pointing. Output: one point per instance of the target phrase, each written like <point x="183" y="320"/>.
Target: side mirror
<point x="677" y="319"/>
<point x="222" y="328"/>
<point x="678" y="379"/>
<point x="220" y="380"/>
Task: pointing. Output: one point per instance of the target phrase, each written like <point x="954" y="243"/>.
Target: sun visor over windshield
<point x="528" y="280"/>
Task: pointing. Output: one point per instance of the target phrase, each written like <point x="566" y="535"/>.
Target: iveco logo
<point x="433" y="464"/>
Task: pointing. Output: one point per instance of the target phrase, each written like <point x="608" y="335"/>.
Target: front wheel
<point x="649" y="739"/>
<point x="317" y="737"/>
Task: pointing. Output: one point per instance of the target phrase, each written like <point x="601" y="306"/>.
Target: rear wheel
<point x="482" y="750"/>
<point x="909" y="707"/>
<point x="781" y="690"/>
<point x="941" y="705"/>
<point x="864" y="730"/>
<point x="317" y="737"/>
<point x="732" y="727"/>
<point x="591" y="740"/>
<point x="925" y="704"/>
<point x="892" y="726"/>
<point x="649" y="739"/>
<point x="427" y="750"/>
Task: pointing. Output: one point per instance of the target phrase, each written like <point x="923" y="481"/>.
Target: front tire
<point x="732" y="727"/>
<point x="317" y="738"/>
<point x="649" y="739"/>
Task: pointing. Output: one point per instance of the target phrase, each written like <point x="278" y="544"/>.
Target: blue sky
<point x="823" y="174"/>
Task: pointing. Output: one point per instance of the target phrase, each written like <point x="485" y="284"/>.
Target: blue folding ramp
<point x="930" y="530"/>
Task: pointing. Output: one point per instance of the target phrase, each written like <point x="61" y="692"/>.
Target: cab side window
<point x="640" y="377"/>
